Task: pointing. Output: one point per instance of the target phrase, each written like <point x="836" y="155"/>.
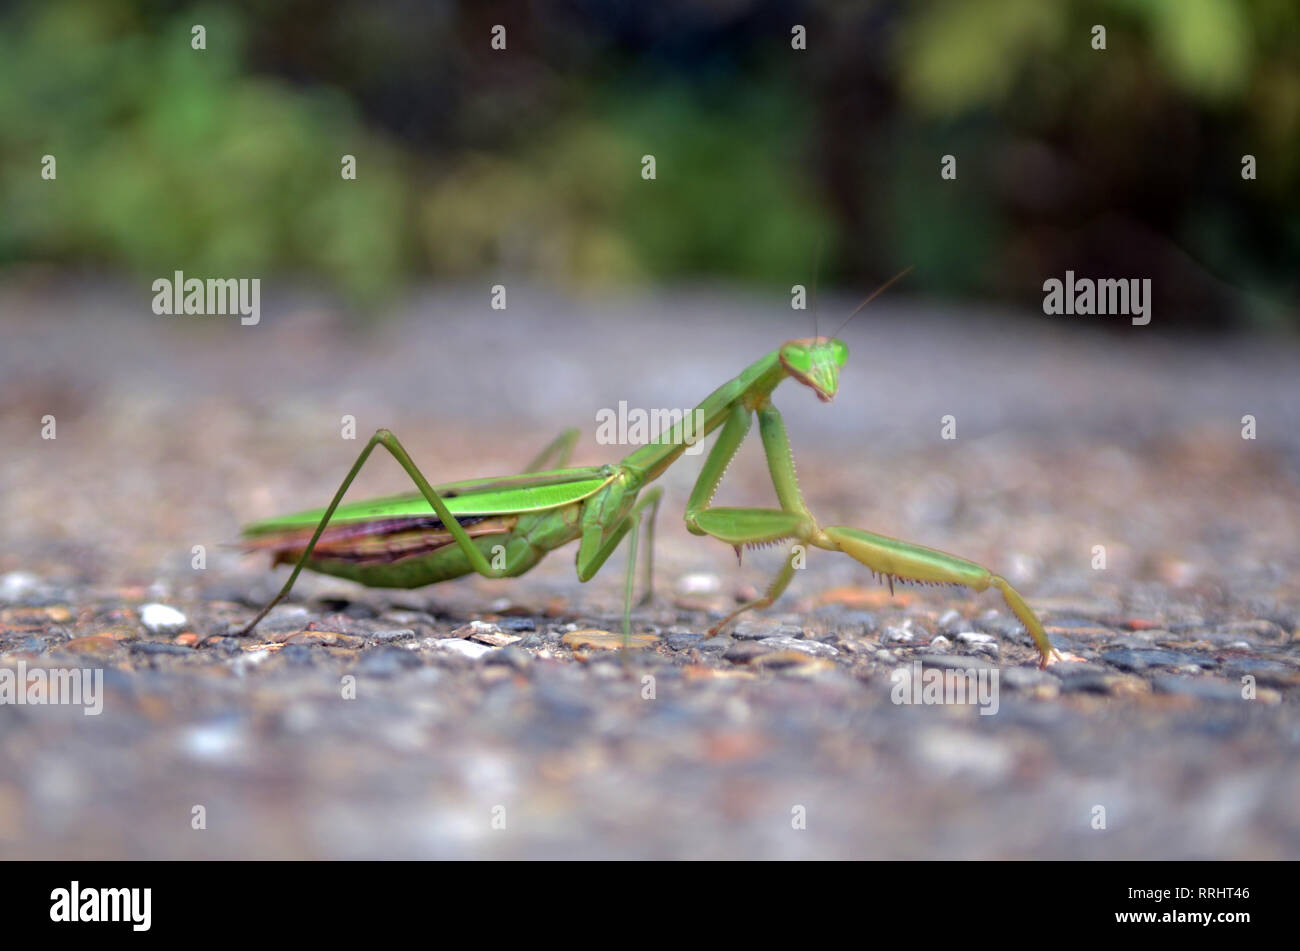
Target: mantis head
<point x="815" y="362"/>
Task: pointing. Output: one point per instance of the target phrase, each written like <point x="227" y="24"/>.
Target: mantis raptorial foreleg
<point x="715" y="465"/>
<point x="390" y="442"/>
<point x="751" y="526"/>
<point x="888" y="557"/>
<point x="898" y="559"/>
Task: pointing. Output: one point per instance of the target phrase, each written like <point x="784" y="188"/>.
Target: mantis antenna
<point x="817" y="263"/>
<point x="876" y="293"/>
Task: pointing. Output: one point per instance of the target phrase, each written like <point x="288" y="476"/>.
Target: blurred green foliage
<point x="170" y="158"/>
<point x="528" y="162"/>
<point x="575" y="204"/>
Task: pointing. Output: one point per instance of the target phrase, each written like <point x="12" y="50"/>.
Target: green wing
<point x="533" y="492"/>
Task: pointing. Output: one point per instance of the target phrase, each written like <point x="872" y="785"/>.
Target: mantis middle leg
<point x="599" y="542"/>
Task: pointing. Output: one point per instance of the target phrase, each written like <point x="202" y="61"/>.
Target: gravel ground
<point x="499" y="719"/>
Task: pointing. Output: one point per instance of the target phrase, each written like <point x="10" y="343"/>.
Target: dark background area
<point x="525" y="163"/>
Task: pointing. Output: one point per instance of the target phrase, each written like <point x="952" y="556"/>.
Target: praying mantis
<point x="502" y="527"/>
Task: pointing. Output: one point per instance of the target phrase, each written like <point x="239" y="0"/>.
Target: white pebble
<point x="161" y="619"/>
<point x="485" y="633"/>
<point x="212" y="742"/>
<point x="816" y="648"/>
<point x="699" y="582"/>
<point x="900" y="635"/>
<point x="951" y="753"/>
<point x="17" y="584"/>
<point x="458" y="645"/>
<point x="972" y="637"/>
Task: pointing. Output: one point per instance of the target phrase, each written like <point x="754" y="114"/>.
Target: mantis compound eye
<point x="797" y="359"/>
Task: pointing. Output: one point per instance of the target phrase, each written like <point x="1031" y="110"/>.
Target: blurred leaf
<point x="957" y="54"/>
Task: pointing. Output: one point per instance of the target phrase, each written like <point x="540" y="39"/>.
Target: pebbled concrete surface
<point x="362" y="723"/>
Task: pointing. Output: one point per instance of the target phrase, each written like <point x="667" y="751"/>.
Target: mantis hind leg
<point x="892" y="559"/>
<point x="390" y="442"/>
<point x="557" y="453"/>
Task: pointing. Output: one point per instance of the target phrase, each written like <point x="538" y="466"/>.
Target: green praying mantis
<point x="502" y="527"/>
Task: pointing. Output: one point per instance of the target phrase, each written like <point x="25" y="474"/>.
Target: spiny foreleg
<point x="895" y="559"/>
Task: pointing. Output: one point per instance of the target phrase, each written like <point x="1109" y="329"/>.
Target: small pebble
<point x="216" y="742"/>
<point x="297" y="654"/>
<point x="517" y="624"/>
<point x="899" y="635"/>
<point x="397" y="634"/>
<point x="681" y="642"/>
<point x="161" y="619"/>
<point x="386" y="661"/>
<point x="16" y="585"/>
<point x="1135" y="660"/>
<point x="159" y="647"/>
<point x="742" y="652"/>
<point x="757" y="630"/>
<point x="785" y="642"/>
<point x="485" y="633"/>
<point x="1202" y="688"/>
<point x="458" y="645"/>
<point x="955" y="662"/>
<point x="1027" y="678"/>
<point x="511" y="657"/>
<point x="407" y="619"/>
<point x="699" y="583"/>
